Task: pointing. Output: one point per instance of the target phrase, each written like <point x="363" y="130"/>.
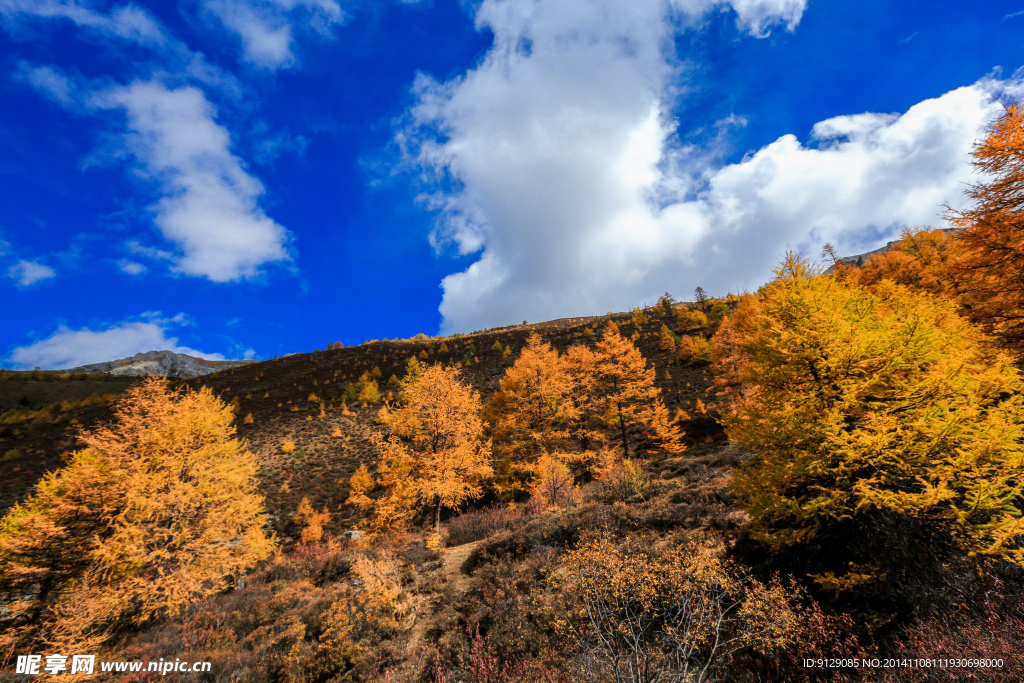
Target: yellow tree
<point x="860" y="401"/>
<point x="46" y="543"/>
<point x="434" y="453"/>
<point x="992" y="232"/>
<point x="617" y="391"/>
<point x="176" y="508"/>
<point x="529" y="415"/>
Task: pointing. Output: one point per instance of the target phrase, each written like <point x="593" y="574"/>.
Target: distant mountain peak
<point x="160" y="363"/>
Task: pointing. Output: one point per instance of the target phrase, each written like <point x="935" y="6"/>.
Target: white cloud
<point x="754" y="16"/>
<point x="68" y="348"/>
<point x="266" y="28"/>
<point x="210" y="209"/>
<point x="127" y="22"/>
<point x="552" y="155"/>
<point x="131" y="267"/>
<point x="50" y="82"/>
<point x="26" y="273"/>
<point x="554" y="164"/>
<point x="869" y="175"/>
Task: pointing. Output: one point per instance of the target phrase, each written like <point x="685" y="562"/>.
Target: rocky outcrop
<point x="162" y="363"/>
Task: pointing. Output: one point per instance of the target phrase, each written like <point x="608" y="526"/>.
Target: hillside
<point x="277" y="394"/>
<point x="489" y="602"/>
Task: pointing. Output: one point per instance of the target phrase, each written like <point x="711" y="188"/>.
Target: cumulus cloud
<point x="210" y="206"/>
<point x="553" y="163"/>
<point x="26" y="273"/>
<point x="267" y="28"/>
<point x="69" y="348"/>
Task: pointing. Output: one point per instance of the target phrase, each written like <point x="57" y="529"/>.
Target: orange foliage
<point x="992" y="232"/>
<point x="621" y="391"/>
<point x="435" y="453"/>
<point x="172" y="495"/>
<point x="530" y="413"/>
<point x="922" y="259"/>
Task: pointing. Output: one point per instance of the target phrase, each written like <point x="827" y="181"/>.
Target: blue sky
<point x="236" y="178"/>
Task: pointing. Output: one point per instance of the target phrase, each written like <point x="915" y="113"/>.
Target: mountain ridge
<point x="164" y="363"/>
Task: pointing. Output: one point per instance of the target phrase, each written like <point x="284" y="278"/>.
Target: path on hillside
<point x="452" y="559"/>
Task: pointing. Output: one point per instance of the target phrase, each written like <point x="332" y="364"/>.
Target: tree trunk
<point x="437" y="513"/>
<point x="622" y="427"/>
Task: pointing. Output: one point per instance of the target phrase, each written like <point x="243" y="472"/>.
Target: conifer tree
<point x="921" y="259"/>
<point x="173" y="503"/>
<point x="992" y="232"/>
<point x="46" y="543"/>
<point x="858" y="401"/>
<point x="530" y="413"/>
<point x="435" y="454"/>
<point x="621" y="393"/>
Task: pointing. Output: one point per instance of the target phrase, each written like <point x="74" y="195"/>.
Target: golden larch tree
<point x="859" y="402"/>
<point x="992" y="232"/>
<point x="434" y="453"/>
<point x="922" y="259"/>
<point x="46" y="543"/>
<point x="530" y="414"/>
<point x="617" y="391"/>
<point x="175" y="504"/>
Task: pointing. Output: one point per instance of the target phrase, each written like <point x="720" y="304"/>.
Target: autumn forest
<point x="820" y="480"/>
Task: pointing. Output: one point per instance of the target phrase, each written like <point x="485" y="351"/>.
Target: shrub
<point x="552" y="484"/>
<point x="641" y="615"/>
<point x="288" y="447"/>
<point x="476" y="524"/>
<point x="371" y="609"/>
